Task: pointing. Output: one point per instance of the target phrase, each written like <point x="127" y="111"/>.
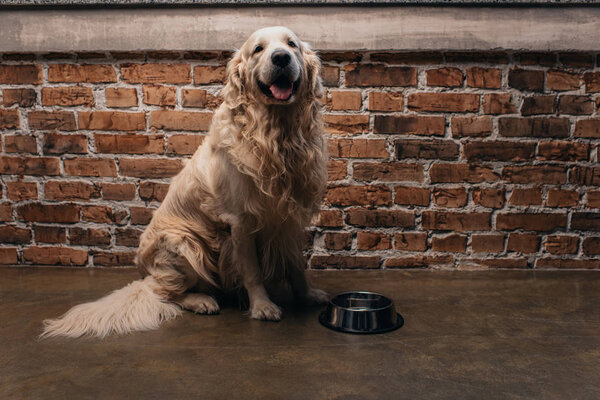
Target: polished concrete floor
<point x="468" y="335"/>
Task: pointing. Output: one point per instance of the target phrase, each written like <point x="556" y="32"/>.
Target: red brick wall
<point x="440" y="160"/>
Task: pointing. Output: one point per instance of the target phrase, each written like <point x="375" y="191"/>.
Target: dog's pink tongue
<point x="281" y="93"/>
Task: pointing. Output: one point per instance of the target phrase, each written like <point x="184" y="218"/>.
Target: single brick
<point x="562" y="198"/>
<point x="418" y="261"/>
<point x="385" y="101"/>
<point x="156" y="73"/>
<point x="184" y="144"/>
<point x="14" y="234"/>
<point x="577" y="59"/>
<point x="456" y="173"/>
<point x="330" y="218"/>
<point x="121" y="97"/>
<point x="576" y="105"/>
<point x="526" y="197"/>
<point x="98" y="214"/>
<point x="444" y="102"/>
<point x="456" y="221"/>
<point x="158" y="95"/>
<point x="487" y="243"/>
<point x="81" y="73"/>
<point x="20" y="144"/>
<point x="55" y="143"/>
<point x="71" y="190"/>
<point x="537" y="105"/>
<point x="37" y="212"/>
<point x="150" y="167"/>
<point x="531" y="221"/>
<point x="535" y="174"/>
<point x="585" y="221"/>
<point x="387" y="171"/>
<point x="29" y="166"/>
<point x="50" y="120"/>
<point x="373" y="241"/>
<point x="118" y="191"/>
<point x="409" y="125"/>
<point x="499" y="151"/>
<point x="9" y="119"/>
<point x="112" y="120"/>
<point x="412" y="57"/>
<point x="127" y="237"/>
<point x="450" y="197"/>
<point x="357" y="148"/>
<point x="563" y="151"/>
<point x="587" y="128"/>
<point x="452" y="243"/>
<point x="341" y="56"/>
<point x="153" y="191"/>
<point x="129" y="144"/>
<point x="338" y="240"/>
<point x="50" y="234"/>
<point x="90" y="167"/>
<point x="471" y="126"/>
<point x="562" y="80"/>
<point x="414" y="196"/>
<point x="180" y="120"/>
<point x="566" y="263"/>
<point x="379" y="75"/>
<point x="485" y="78"/>
<point x="523" y="79"/>
<point x="505" y="262"/>
<point x="427" y="149"/>
<point x="585" y="176"/>
<point x="141" y="215"/>
<point x="209" y="74"/>
<point x="6" y="212"/>
<point x="89" y="237"/>
<point x="337" y="170"/>
<point x="480" y="57"/>
<point x="20" y="74"/>
<point x="593" y="199"/>
<point x="368" y="195"/>
<point x="525" y="243"/>
<point x="114" y="258"/>
<point x="447" y="76"/>
<point x="346" y="124"/>
<point x="534" y="127"/>
<point x="498" y="103"/>
<point x="344" y="262"/>
<point x="591" y="246"/>
<point x="18" y="190"/>
<point x="330" y="75"/>
<point x="410" y="241"/>
<point x="67" y="96"/>
<point x="345" y="100"/>
<point x="592" y="82"/>
<point x="561" y="244"/>
<point x="55" y="256"/>
<point x="22" y="97"/>
<point x="380" y="218"/>
<point x="489" y="197"/>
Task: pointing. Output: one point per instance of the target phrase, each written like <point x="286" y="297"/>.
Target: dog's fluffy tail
<point x="136" y="307"/>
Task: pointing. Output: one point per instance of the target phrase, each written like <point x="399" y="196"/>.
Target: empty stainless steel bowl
<point x="361" y="312"/>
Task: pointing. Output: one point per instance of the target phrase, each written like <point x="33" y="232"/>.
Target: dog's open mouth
<point x="281" y="89"/>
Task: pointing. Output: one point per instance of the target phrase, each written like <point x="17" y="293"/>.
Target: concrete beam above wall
<point x="327" y="28"/>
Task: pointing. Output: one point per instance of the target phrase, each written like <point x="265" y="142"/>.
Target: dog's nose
<point x="281" y="58"/>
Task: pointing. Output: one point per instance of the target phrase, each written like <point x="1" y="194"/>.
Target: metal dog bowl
<point x="361" y="312"/>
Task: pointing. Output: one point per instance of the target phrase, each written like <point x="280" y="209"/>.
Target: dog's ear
<point x="234" y="88"/>
<point x="313" y="68"/>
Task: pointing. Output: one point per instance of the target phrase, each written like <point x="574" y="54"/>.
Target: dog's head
<point x="274" y="67"/>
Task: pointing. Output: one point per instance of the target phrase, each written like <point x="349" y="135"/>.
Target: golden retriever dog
<point x="235" y="215"/>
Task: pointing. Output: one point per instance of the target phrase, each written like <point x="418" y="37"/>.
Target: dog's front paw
<point x="266" y="311"/>
<point x="314" y="297"/>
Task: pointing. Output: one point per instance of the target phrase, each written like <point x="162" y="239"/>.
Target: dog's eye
<point x="291" y="43"/>
<point x="258" y="49"/>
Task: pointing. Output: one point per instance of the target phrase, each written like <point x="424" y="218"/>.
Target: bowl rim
<point x="391" y="305"/>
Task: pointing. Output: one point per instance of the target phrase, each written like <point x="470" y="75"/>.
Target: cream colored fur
<point x="235" y="215"/>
